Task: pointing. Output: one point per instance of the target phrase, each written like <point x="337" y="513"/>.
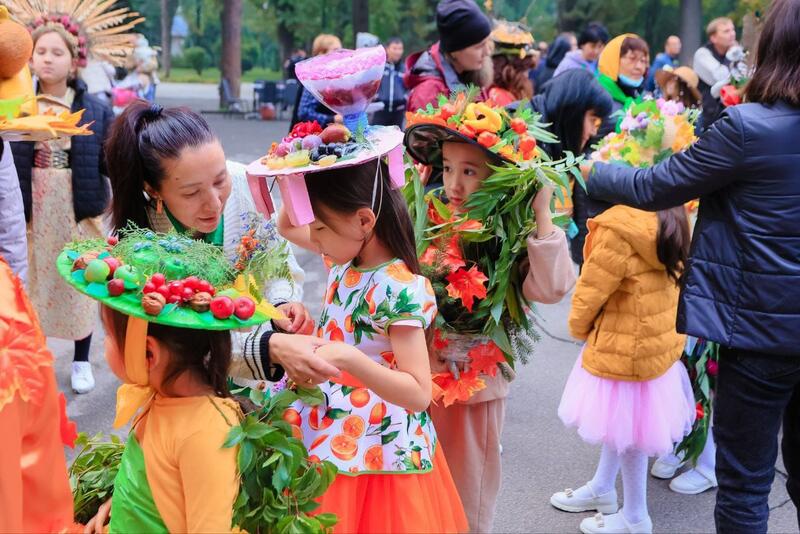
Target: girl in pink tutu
<point x="628" y="389"/>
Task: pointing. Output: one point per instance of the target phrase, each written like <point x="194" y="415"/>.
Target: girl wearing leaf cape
<point x="531" y="264"/>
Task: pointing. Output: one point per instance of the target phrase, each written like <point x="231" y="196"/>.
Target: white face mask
<point x="630" y="82"/>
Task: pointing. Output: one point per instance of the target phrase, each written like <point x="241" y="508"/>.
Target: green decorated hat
<point x="173" y="280"/>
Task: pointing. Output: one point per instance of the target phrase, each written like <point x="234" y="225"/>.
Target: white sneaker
<point x="567" y="501"/>
<point x="615" y="524"/>
<point x="692" y="482"/>
<point x="666" y="466"/>
<point x="82" y="378"/>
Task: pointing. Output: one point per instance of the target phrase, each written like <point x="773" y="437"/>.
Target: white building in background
<point x="180" y="31"/>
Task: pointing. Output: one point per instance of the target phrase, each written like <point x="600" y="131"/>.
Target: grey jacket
<point x="13" y="239"/>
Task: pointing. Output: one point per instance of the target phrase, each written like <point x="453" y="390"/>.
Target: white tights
<point x="634" y="481"/>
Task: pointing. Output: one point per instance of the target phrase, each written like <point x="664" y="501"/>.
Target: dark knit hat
<point x="461" y="24"/>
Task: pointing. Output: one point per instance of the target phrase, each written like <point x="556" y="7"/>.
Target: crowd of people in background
<point x="639" y="285"/>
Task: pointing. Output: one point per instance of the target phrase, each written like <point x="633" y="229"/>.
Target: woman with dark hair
<point x="555" y="54"/>
<point x="168" y="172"/>
<point x="590" y="44"/>
<point x="459" y="58"/>
<point x="622" y="68"/>
<point x="513" y="58"/>
<point x="574" y="104"/>
<point x="740" y="288"/>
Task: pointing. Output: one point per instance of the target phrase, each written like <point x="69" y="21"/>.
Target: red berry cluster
<point x="177" y="291"/>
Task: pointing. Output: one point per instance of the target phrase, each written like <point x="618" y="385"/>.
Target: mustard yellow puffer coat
<point x="624" y="304"/>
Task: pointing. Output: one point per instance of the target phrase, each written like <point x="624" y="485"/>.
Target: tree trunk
<point x="360" y="17"/>
<point x="231" y="65"/>
<point x="166" y="38"/>
<point x="691" y="21"/>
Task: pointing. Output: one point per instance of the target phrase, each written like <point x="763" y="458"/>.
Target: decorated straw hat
<point x="172" y="280"/>
<point x="345" y="81"/>
<point x="685" y="74"/>
<point x="513" y="39"/>
<point x="507" y="138"/>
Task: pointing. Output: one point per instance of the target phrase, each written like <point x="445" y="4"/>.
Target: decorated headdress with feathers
<point x="92" y="28"/>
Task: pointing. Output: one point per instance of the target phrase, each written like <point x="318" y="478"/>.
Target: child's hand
<point x="339" y="355"/>
<point x="96" y="524"/>
<point x="298" y="319"/>
<point x="541" y="211"/>
<point x="425" y="172"/>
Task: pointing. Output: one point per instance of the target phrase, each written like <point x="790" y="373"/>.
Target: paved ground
<point x="540" y="455"/>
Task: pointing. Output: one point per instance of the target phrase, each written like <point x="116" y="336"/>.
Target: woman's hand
<point x="298" y="319"/>
<point x="297" y="355"/>
<point x="96" y="524"/>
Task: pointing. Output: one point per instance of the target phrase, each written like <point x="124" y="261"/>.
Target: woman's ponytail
<point x="141" y="139"/>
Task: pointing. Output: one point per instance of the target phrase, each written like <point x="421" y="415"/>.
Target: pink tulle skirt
<point x="649" y="416"/>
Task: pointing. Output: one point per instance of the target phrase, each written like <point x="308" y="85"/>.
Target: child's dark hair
<point x="204" y="353"/>
<point x="672" y="242"/>
<point x="140" y="140"/>
<point x="348" y="189"/>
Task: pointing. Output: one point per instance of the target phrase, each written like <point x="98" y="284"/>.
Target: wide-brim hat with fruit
<point x="507" y="138"/>
<point x="167" y="279"/>
<point x="346" y="82"/>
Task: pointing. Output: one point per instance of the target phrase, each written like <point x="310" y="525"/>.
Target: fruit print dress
<point x="392" y="476"/>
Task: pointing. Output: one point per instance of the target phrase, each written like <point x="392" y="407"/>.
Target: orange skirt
<point x="397" y="503"/>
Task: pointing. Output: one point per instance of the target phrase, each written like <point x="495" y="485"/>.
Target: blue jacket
<point x="90" y="191"/>
<point x="742" y="283"/>
<point x="392" y="92"/>
<point x="661" y="61"/>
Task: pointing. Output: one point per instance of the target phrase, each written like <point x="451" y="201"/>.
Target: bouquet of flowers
<point x="472" y="258"/>
<point x="651" y="131"/>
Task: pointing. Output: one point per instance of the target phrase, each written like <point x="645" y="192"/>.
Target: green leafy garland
<point x="92" y="473"/>
<point x="502" y="206"/>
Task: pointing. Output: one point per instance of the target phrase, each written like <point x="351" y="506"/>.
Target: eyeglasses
<point x="636" y="60"/>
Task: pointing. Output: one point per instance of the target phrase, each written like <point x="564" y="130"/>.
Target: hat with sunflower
<point x="508" y="137"/>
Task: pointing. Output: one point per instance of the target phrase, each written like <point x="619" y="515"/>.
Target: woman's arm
<point x="601" y="276"/>
<point x="408" y="386"/>
<point x="712" y="163"/>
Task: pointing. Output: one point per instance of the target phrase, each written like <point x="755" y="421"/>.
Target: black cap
<point x="461" y="24"/>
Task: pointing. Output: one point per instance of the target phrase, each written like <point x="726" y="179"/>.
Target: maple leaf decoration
<point x="467" y="286"/>
<point x="484" y="358"/>
<point x="450" y="390"/>
<point x="448" y="256"/>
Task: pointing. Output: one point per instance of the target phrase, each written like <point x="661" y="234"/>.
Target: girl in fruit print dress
<point x="392" y="473"/>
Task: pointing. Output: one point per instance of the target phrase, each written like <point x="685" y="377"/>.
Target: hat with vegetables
<point x="507" y="137"/>
<point x="172" y="280"/>
<point x="513" y="39"/>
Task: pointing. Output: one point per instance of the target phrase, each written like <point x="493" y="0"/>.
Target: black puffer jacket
<point x="90" y="192"/>
<point x="742" y="285"/>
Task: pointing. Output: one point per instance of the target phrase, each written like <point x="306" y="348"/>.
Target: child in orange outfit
<point x="34" y="488"/>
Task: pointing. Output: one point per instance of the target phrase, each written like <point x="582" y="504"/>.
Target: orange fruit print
<point x="359" y="397"/>
<point x="377" y="414"/>
<point x="354" y="426"/>
<point x="335" y="332"/>
<point x="352" y="278"/>
<point x="344" y="447"/>
<point x="292" y="417"/>
<point x="314" y="420"/>
<point x="416" y="459"/>
<point x="317" y="442"/>
<point x="399" y="272"/>
<point x="348" y="324"/>
<point x="297" y="433"/>
<point x="373" y="458"/>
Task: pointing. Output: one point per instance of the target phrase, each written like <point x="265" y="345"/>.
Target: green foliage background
<point x="412" y="20"/>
